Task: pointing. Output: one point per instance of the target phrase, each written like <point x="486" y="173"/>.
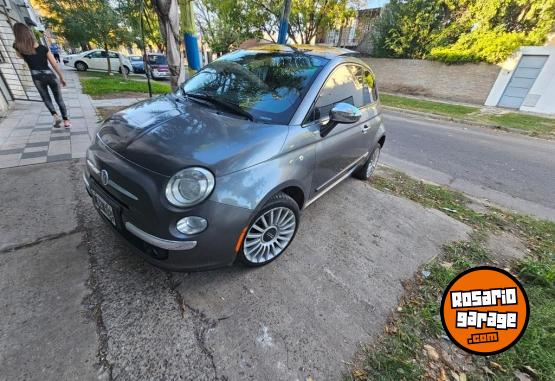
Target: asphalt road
<point x="508" y="169"/>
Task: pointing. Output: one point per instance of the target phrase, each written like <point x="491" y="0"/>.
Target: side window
<point x="340" y="87"/>
<point x="113" y="55"/>
<point x="370" y="91"/>
<point x="97" y="54"/>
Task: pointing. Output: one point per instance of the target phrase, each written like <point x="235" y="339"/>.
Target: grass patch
<point x="95" y="84"/>
<point x="400" y="354"/>
<point x="439" y="108"/>
<point x="530" y="123"/>
<point x="535" y="125"/>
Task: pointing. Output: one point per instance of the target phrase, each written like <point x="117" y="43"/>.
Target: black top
<point x="37" y="61"/>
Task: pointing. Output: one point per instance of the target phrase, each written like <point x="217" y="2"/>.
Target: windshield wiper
<point x="222" y="103"/>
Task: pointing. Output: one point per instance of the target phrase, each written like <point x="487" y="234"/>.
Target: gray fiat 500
<point x="220" y="169"/>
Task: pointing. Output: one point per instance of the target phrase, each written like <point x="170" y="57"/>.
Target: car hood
<point x="168" y="133"/>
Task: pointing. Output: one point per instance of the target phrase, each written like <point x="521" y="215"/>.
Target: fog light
<point x="191" y="225"/>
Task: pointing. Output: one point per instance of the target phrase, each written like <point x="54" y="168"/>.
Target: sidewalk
<point x="27" y="136"/>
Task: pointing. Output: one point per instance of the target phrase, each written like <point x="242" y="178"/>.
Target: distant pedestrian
<point x="37" y="58"/>
<point x="55" y="51"/>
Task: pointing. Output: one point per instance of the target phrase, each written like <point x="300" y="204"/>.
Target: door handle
<point x="365" y="128"/>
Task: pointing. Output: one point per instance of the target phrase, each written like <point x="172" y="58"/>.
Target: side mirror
<point x="345" y="113"/>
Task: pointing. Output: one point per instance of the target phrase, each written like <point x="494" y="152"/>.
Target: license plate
<point x="104" y="208"/>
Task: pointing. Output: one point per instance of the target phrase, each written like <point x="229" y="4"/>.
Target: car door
<point x="97" y="60"/>
<point x="114" y="60"/>
<point x="347" y="143"/>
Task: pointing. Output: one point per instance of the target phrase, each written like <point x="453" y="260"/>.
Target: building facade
<point x="526" y="81"/>
<point x="15" y="79"/>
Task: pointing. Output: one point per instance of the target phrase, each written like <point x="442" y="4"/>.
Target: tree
<point x="407" y="29"/>
<point x="168" y="18"/>
<point x="226" y="23"/>
<point x="463" y="30"/>
<point x="81" y="23"/>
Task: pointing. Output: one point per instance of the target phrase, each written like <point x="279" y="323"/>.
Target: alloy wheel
<point x="269" y="235"/>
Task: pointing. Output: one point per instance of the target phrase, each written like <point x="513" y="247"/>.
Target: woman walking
<point x="37" y="58"/>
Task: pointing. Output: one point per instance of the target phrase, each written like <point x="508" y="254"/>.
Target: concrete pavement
<point x="27" y="136"/>
<point x="510" y="170"/>
<point x="77" y="303"/>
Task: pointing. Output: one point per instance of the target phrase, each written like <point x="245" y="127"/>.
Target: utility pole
<point x="284" y="22"/>
<point x="189" y="35"/>
<point x="145" y="61"/>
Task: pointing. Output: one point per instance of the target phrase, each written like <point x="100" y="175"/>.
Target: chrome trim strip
<point x="122" y="190"/>
<point x="93" y="167"/>
<point x="330" y="187"/>
<point x="347" y="168"/>
<point x="85" y="180"/>
<point x="159" y="242"/>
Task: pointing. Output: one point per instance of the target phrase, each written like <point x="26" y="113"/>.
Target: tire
<point x="125" y="69"/>
<point x="81" y="66"/>
<point x="270" y="232"/>
<point x="369" y="166"/>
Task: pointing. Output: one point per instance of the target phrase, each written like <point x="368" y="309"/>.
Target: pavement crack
<point x="50" y="237"/>
<point x="92" y="302"/>
<point x="201" y="323"/>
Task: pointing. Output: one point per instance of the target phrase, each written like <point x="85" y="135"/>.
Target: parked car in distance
<point x="96" y="60"/>
<point x="138" y="64"/>
<point x="219" y="169"/>
<point x="157" y="66"/>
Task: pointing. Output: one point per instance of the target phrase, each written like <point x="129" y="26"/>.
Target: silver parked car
<point x="220" y="169"/>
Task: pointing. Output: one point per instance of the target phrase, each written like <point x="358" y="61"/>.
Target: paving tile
<point x="56" y="138"/>
<point x="52" y="158"/>
<point x="22" y="132"/>
<point x="35" y="149"/>
<point x="29" y="155"/>
<point x="38" y="144"/>
<point x="9" y="159"/>
<point x="34" y="160"/>
<point x="10" y="151"/>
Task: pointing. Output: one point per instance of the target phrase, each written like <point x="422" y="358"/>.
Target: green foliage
<point x="407" y="29"/>
<point x="227" y="23"/>
<point x="462" y="31"/>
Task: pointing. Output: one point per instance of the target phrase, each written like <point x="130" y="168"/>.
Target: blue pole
<point x="191" y="48"/>
<point x="284" y="22"/>
<point x="189" y="34"/>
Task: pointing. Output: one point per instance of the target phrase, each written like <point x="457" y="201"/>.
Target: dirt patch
<point x="106" y="112"/>
<point x="123" y="94"/>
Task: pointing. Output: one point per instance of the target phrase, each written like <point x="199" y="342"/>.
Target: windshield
<point x="269" y="86"/>
<point x="136" y="58"/>
<point x="157" y="60"/>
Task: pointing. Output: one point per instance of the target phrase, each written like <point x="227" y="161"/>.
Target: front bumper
<point x="153" y="234"/>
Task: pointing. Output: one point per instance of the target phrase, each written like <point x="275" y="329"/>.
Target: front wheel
<point x="81" y="66"/>
<point x="125" y="70"/>
<point x="368" y="168"/>
<point x="272" y="230"/>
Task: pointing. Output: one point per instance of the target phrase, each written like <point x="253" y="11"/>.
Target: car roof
<point x="315" y="50"/>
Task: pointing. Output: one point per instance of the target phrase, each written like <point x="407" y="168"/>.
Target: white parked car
<point x="96" y="60"/>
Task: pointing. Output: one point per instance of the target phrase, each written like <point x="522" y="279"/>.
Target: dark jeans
<point x="46" y="79"/>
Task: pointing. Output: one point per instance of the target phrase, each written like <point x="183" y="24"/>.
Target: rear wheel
<point x="272" y="230"/>
<point x="81" y="66"/>
<point x="368" y="168"/>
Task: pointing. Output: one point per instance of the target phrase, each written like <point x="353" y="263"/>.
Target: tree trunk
<point x="108" y="58"/>
<point x="168" y="18"/>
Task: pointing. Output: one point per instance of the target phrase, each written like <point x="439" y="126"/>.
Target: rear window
<point x="157" y="60"/>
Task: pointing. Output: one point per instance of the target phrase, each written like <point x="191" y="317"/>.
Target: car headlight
<point x="189" y="186"/>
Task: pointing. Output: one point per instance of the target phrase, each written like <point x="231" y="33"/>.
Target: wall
<point x="470" y="83"/>
<point x="541" y="97"/>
